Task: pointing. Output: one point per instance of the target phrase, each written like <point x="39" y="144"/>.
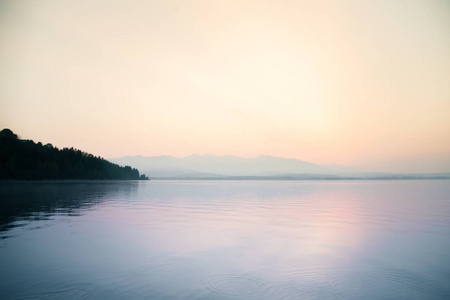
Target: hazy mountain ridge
<point x="216" y="166"/>
<point x="261" y="167"/>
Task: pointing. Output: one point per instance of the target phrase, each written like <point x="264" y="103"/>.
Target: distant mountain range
<point x="261" y="167"/>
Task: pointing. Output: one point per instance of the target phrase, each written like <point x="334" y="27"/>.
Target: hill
<point x="262" y="167"/>
<point x="213" y="166"/>
<point x="25" y="159"/>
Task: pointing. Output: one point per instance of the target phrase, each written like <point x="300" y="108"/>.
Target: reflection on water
<point x="22" y="202"/>
<point x="225" y="240"/>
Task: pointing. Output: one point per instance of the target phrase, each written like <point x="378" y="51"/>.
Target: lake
<point x="207" y="240"/>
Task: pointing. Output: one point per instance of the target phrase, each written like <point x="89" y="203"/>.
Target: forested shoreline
<point x="27" y="160"/>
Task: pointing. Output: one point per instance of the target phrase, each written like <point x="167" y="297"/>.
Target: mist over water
<point x="225" y="240"/>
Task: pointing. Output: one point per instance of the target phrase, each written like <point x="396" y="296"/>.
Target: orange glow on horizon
<point x="362" y="84"/>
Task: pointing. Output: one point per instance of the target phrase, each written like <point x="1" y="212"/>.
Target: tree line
<point x="27" y="160"/>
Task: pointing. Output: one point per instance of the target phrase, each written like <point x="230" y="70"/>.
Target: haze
<point x="356" y="83"/>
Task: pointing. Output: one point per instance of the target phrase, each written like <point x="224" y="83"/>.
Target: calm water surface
<point x="225" y="240"/>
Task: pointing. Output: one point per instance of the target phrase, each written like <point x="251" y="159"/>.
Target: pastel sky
<point x="358" y="83"/>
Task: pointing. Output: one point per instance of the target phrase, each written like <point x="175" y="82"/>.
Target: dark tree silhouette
<point x="7" y="134"/>
<point x="24" y="159"/>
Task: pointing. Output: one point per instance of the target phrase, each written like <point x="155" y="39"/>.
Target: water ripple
<point x="241" y="286"/>
<point x="69" y="294"/>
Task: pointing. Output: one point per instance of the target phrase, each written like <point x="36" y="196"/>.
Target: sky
<point x="358" y="83"/>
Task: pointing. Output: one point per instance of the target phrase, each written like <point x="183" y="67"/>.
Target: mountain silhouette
<point x="214" y="165"/>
